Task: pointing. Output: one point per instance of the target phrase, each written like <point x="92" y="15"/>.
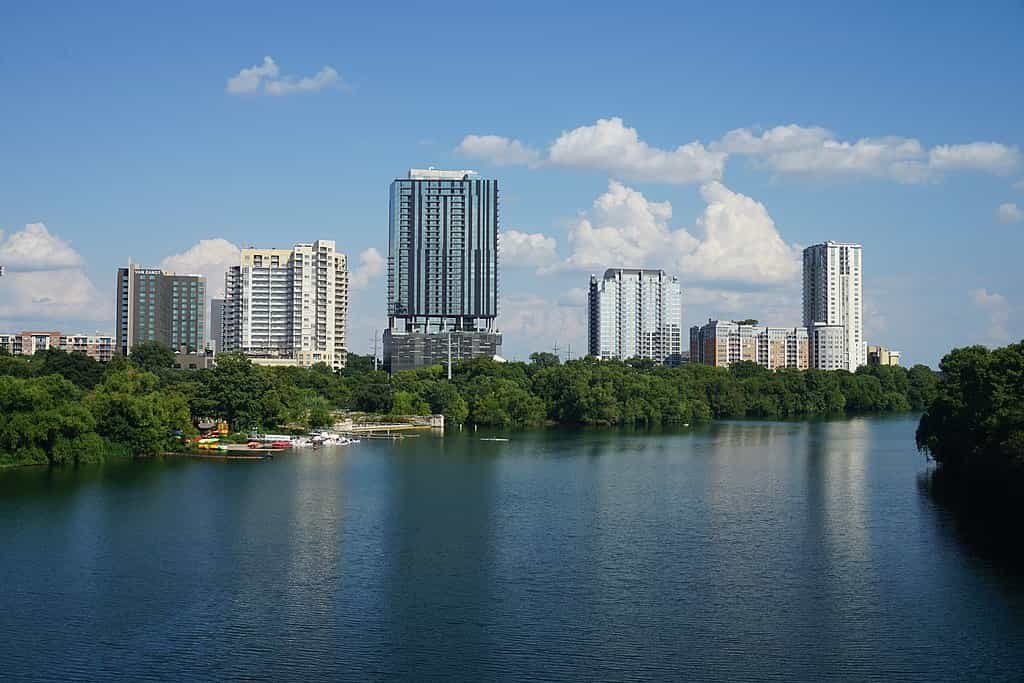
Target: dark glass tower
<point x="156" y="306"/>
<point x="442" y="268"/>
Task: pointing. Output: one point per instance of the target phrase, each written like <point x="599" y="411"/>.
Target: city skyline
<point x="716" y="170"/>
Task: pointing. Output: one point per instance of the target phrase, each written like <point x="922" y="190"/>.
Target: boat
<point x="281" y="444"/>
<point x="493" y="438"/>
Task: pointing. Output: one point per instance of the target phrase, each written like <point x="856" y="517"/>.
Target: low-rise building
<point x="724" y="342"/>
<point x="27" y="343"/>
<point x="879" y="355"/>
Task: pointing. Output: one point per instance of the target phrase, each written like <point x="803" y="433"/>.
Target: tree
<point x="238" y="392"/>
<point x="544" y="359"/>
<point x="976" y="419"/>
<point x="131" y="412"/>
<point x="152" y="356"/>
<point x="42" y="421"/>
<point x="78" y="368"/>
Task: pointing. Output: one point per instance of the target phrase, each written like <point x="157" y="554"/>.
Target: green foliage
<point x="59" y="407"/>
<point x="543" y="359"/>
<point x="976" y="416"/>
<point x="131" y="411"/>
<point x="152" y="356"/>
<point x="42" y="421"/>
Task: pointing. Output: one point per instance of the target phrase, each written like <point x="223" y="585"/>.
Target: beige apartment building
<point x="723" y="342"/>
<point x="27" y="343"/>
<point x="288" y="306"/>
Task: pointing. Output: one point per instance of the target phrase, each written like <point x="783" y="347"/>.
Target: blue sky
<point x="846" y="121"/>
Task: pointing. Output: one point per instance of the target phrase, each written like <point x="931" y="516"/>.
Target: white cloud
<point x="738" y="243"/>
<point x="536" y="323"/>
<point x="996" y="308"/>
<point x="498" y="150"/>
<point x="577" y="296"/>
<point x="210" y="258"/>
<point x="991" y="157"/>
<point x="266" y="79"/>
<point x="57" y="295"/>
<point x="815" y="150"/>
<point x="1009" y="213"/>
<point x="610" y="146"/>
<point x="371" y="265"/>
<point x="35" y="249"/>
<point x="45" y="280"/>
<point x="521" y="249"/>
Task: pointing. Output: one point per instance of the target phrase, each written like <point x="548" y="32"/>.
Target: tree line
<point x="58" y="407"/>
<point x="976" y="421"/>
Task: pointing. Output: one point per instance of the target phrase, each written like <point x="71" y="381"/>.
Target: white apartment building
<point x="834" y="305"/>
<point x="636" y="313"/>
<point x="288" y="306"/>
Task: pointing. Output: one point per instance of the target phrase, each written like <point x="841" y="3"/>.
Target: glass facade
<point x="162" y="307"/>
<point x="443" y="252"/>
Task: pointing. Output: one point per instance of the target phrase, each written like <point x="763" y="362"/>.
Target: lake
<point x="737" y="550"/>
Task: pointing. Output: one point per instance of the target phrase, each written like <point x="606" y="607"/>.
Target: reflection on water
<point x="984" y="516"/>
<point x="733" y="551"/>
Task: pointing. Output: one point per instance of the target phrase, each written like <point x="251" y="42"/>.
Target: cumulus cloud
<point x="498" y="150"/>
<point x="736" y="240"/>
<point x="266" y="79"/>
<point x="609" y="146"/>
<point x="371" y="265"/>
<point x="539" y="323"/>
<point x="815" y="150"/>
<point x="521" y="249"/>
<point x="1009" y="213"/>
<point x="997" y="310"/>
<point x="45" y="280"/>
<point x="57" y="295"/>
<point x="616" y="149"/>
<point x="210" y="258"/>
<point x="991" y="157"/>
<point x="35" y="249"/>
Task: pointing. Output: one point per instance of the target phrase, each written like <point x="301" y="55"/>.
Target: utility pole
<point x="568" y="354"/>
<point x="556" y="348"/>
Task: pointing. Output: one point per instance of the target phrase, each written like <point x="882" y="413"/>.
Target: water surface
<point x="746" y="550"/>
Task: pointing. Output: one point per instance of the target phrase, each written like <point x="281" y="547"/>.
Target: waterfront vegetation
<point x="975" y="424"/>
<point x="60" y="408"/>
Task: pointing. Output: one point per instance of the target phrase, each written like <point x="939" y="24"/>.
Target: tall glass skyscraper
<point x="156" y="306"/>
<point x="442" y="268"/>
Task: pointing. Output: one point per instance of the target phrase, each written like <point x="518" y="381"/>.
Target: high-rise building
<point x="722" y="343"/>
<point x="156" y="306"/>
<point x="97" y="346"/>
<point x="217" y="324"/>
<point x="288" y="306"/>
<point x="636" y="313"/>
<point x="834" y="305"/>
<point x="442" y="269"/>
